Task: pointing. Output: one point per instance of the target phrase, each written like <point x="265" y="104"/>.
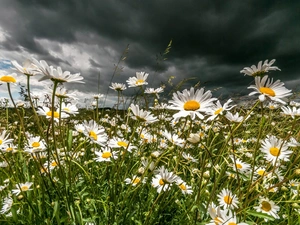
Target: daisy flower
<point x="173" y="138"/>
<point x="154" y="91"/>
<point x="135" y="180"/>
<point x="35" y="144"/>
<point x="22" y="187"/>
<point x="164" y="179"/>
<point x="227" y="199"/>
<point x="261" y="69"/>
<point x="45" y="111"/>
<point x="191" y="103"/>
<point x="4" y="140"/>
<point x="95" y="132"/>
<point x="188" y="157"/>
<point x="218" y="109"/>
<point x="267" y="88"/>
<point x="275" y="149"/>
<point x="118" y="86"/>
<point x="69" y="108"/>
<point x="234" y="118"/>
<point x="141" y="115"/>
<point x="7" y="204"/>
<point x="267" y="206"/>
<point x="138" y="80"/>
<point x="294" y="186"/>
<point x="105" y="155"/>
<point x="185" y="189"/>
<point x="116" y="142"/>
<point x="288" y="111"/>
<point x="64" y="93"/>
<point x="240" y="166"/>
<point x="27" y="68"/>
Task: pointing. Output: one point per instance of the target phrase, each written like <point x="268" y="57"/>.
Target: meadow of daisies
<point x="189" y="160"/>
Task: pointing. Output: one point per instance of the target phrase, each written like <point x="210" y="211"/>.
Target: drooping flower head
<point x="261" y="69"/>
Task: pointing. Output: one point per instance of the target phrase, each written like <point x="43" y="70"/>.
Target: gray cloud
<point x="212" y="40"/>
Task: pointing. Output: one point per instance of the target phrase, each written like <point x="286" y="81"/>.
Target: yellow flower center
<point x="228" y="199"/>
<point x="24" y="188"/>
<point x="274" y="151"/>
<point x="232" y="223"/>
<point x="266" y="206"/>
<point x="9" y="149"/>
<point x="161" y="182"/>
<point x="218" y="111"/>
<point x="136" y="180"/>
<point x="239" y="166"/>
<point x="56" y="114"/>
<point x="122" y="144"/>
<point x="267" y="91"/>
<point x="217" y="220"/>
<point x="106" y="155"/>
<point x="1" y="142"/>
<point x="35" y="144"/>
<point x="182" y="187"/>
<point x="53" y="164"/>
<point x="261" y="172"/>
<point x="140" y="81"/>
<point x="93" y="135"/>
<point x="191" y="105"/>
<point x="8" y="79"/>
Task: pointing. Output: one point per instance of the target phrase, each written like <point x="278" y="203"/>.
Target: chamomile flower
<point x="4" y="140"/>
<point x="105" y="155"/>
<point x="275" y="149"/>
<point x="69" y="108"/>
<point x="185" y="189"/>
<point x="191" y="103"/>
<point x="7" y="204"/>
<point x="154" y="91"/>
<point x="135" y="180"/>
<point x="45" y="111"/>
<point x="227" y="199"/>
<point x="142" y="115"/>
<point x="27" y="68"/>
<point x="116" y="142"/>
<point x="234" y="118"/>
<point x="35" y="144"/>
<point x="189" y="158"/>
<point x="267" y="206"/>
<point x="22" y="187"/>
<point x="95" y="132"/>
<point x="288" y="111"/>
<point x="266" y="88"/>
<point x="240" y="166"/>
<point x="164" y="179"/>
<point x="218" y="109"/>
<point x="294" y="186"/>
<point x="138" y="80"/>
<point x="118" y="86"/>
<point x="261" y="69"/>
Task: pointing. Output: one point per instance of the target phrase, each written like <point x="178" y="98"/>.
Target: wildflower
<point x="293" y="142"/>
<point x="141" y="115"/>
<point x="240" y="166"/>
<point x="7" y="204"/>
<point x="22" y="187"/>
<point x="35" y="144"/>
<point x="227" y="199"/>
<point x="154" y="91"/>
<point x="105" y="155"/>
<point x="234" y="118"/>
<point x="185" y="189"/>
<point x="294" y="186"/>
<point x="267" y="88"/>
<point x="8" y="78"/>
<point x="164" y="179"/>
<point x="97" y="96"/>
<point x="191" y="103"/>
<point x="95" y="132"/>
<point x="275" y="149"/>
<point x="64" y="93"/>
<point x="188" y="157"/>
<point x="118" y="86"/>
<point x="4" y="140"/>
<point x="173" y="138"/>
<point x="45" y="111"/>
<point x="135" y="180"/>
<point x="116" y="142"/>
<point x="69" y="108"/>
<point x="138" y="80"/>
<point x="286" y="110"/>
<point x="267" y="206"/>
<point x="27" y="68"/>
<point x="261" y="69"/>
<point x="218" y="109"/>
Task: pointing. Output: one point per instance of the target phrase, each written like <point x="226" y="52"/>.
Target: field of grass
<point x="190" y="160"/>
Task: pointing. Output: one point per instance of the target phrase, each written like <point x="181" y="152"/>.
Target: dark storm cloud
<point x="212" y="40"/>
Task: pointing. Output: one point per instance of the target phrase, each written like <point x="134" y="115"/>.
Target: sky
<point x="211" y="41"/>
